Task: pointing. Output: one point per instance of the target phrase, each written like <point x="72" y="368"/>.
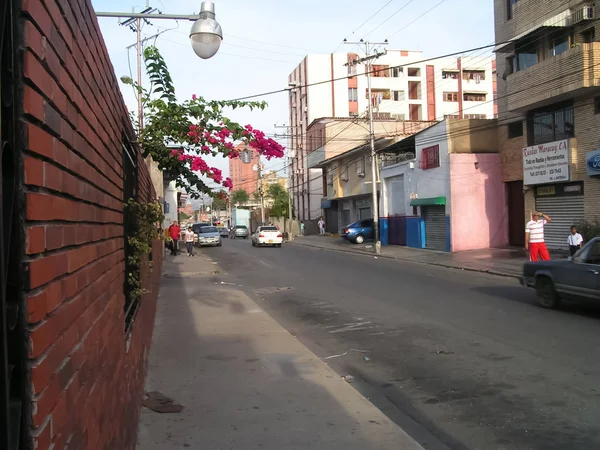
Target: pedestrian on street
<point x="189" y="241"/>
<point x="302" y="228"/>
<point x="534" y="237"/>
<point x="575" y="240"/>
<point x="174" y="232"/>
<point x="322" y="226"/>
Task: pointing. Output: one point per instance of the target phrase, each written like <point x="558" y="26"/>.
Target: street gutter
<point x="382" y="255"/>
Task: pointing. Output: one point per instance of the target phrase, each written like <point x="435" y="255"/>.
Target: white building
<point x="403" y="88"/>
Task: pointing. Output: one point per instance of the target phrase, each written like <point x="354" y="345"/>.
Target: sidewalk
<point x="504" y="262"/>
<point x="243" y="380"/>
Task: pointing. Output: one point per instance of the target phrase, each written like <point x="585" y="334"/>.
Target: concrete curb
<point x="448" y="266"/>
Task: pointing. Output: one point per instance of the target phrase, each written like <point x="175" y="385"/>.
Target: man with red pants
<point x="534" y="237"/>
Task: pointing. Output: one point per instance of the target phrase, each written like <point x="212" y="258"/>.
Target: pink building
<point x="448" y="193"/>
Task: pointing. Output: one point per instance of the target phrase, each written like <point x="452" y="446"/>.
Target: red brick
<point x="33" y="38"/>
<point x="33" y="103"/>
<point x="45" y="269"/>
<point x="39" y="141"/>
<point x="36" y="242"/>
<point x="53" y="177"/>
<point x="42" y="438"/>
<point x="34" y="171"/>
<point x="37" y="74"/>
<point x="54" y="237"/>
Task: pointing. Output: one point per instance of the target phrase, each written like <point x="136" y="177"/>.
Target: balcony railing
<point x="556" y="78"/>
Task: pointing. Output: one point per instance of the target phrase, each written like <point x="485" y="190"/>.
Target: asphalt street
<point x="460" y="360"/>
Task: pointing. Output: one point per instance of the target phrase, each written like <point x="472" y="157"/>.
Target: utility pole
<point x="290" y="233"/>
<point x="138" y="26"/>
<point x="367" y="60"/>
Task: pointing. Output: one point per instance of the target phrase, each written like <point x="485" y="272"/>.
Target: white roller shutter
<point x="564" y="212"/>
<point x="435" y="227"/>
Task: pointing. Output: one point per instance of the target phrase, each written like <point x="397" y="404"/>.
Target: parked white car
<point x="267" y="235"/>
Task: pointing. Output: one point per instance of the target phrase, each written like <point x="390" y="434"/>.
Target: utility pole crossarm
<point x="124" y="15"/>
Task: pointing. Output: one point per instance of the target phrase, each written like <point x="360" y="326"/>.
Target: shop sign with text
<point x="546" y="163"/>
<point x="592" y="163"/>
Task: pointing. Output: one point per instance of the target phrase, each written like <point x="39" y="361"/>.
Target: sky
<point x="264" y="40"/>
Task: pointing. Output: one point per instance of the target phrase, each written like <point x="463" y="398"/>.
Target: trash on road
<point x="444" y="352"/>
<point x="345" y="353"/>
<point x="160" y="403"/>
<point x="366" y="358"/>
<point x="348" y="378"/>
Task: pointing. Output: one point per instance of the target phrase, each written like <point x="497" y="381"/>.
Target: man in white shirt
<point x="534" y="237"/>
<point x="189" y="241"/>
<point x="575" y="240"/>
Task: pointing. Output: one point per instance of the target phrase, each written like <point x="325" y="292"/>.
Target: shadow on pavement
<point x="245" y="382"/>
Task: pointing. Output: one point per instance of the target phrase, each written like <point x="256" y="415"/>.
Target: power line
<point x="413" y="21"/>
<point x="391" y="16"/>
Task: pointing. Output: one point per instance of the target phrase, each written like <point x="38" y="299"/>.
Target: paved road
<point x="460" y="360"/>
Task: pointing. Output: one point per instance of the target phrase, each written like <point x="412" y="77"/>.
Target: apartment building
<point x="242" y="170"/>
<point x="403" y="88"/>
<point x="548" y="58"/>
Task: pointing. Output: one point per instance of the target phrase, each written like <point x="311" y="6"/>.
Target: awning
<point x="325" y="203"/>
<point x="560" y="20"/>
<point x="441" y="201"/>
<point x="469" y="91"/>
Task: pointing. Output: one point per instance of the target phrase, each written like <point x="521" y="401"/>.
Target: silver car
<point x="239" y="231"/>
<point x="209" y="236"/>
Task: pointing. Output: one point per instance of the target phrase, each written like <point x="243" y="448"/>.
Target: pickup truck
<point x="578" y="276"/>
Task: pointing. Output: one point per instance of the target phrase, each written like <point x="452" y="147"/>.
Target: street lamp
<point x="206" y="33"/>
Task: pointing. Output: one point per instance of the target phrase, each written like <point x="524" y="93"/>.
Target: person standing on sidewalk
<point x="302" y="228"/>
<point x="534" y="237"/>
<point x="575" y="240"/>
<point x="321" y="226"/>
<point x="189" y="241"/>
<point x="174" y="232"/>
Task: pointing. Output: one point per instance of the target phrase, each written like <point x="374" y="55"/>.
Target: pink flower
<point x="193" y="127"/>
<point x="228" y="183"/>
<point x="194" y="97"/>
<point x="205" y="149"/>
<point x="199" y="165"/>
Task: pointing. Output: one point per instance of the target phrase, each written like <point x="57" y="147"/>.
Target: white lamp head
<point x="206" y="33"/>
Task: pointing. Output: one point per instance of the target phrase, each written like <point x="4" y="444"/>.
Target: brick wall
<point x="86" y="373"/>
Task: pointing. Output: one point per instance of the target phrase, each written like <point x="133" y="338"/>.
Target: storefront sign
<point x="546" y="163"/>
<point x="592" y="163"/>
<point x="560" y="190"/>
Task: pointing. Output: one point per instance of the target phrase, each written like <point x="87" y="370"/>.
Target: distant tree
<point x="281" y="200"/>
<point x="219" y="202"/>
<point x="240" y="197"/>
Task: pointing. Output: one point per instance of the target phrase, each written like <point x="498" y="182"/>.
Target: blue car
<point x="358" y="232"/>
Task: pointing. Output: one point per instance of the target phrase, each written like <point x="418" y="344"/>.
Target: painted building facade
<point x="548" y="107"/>
<point x="448" y="193"/>
<point x="403" y="88"/>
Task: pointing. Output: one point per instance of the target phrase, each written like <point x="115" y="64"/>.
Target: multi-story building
<point x="243" y="170"/>
<point x="403" y="88"/>
<point x="549" y="111"/>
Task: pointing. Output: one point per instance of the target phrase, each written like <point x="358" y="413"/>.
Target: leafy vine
<point x="141" y="220"/>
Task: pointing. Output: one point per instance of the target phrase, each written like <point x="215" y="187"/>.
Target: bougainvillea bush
<point x="180" y="135"/>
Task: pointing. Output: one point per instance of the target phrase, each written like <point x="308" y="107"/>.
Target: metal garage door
<point x="564" y="212"/>
<point x="435" y="227"/>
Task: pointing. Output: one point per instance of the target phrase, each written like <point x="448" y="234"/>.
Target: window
<point x="451" y="116"/>
<point x="414" y="90"/>
<point x="345" y="175"/>
<point x="475" y="116"/>
<point x="515" y="129"/>
<point x="509" y="8"/>
<point x="474" y="75"/>
<point x="526" y="55"/>
<point x="380" y="71"/>
<point x="450" y="96"/>
<point x="130" y="184"/>
<point x="352" y="94"/>
<point x="351" y="69"/>
<point x="558" y="43"/>
<point x="551" y="124"/>
<point x="330" y="177"/>
<point x="474" y="97"/>
<point x="360" y="167"/>
<point x="398" y="96"/>
<point x="451" y="75"/>
<point x="430" y="157"/>
<point x="397" y="71"/>
<point x="414" y="72"/>
<point x="589" y="35"/>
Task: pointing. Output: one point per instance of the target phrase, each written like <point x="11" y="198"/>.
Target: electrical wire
<point x="390" y="16"/>
<point x="413" y="21"/>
